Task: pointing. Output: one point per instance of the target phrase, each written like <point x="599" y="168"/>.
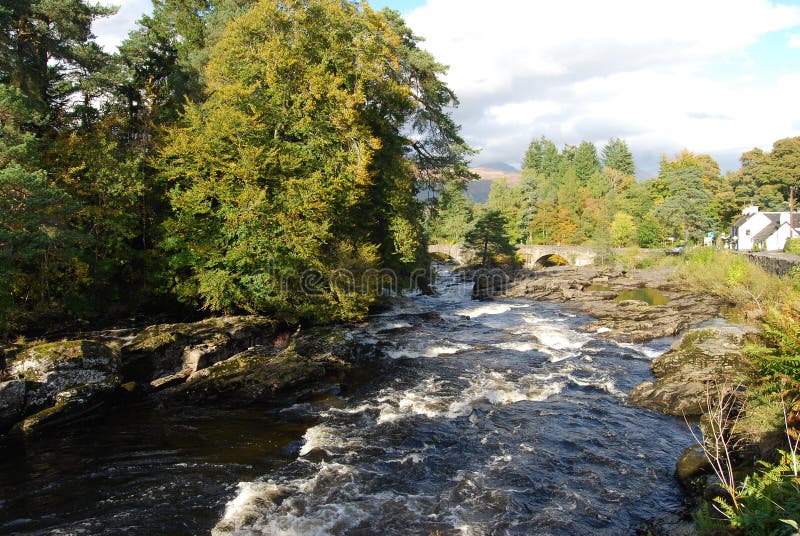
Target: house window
<point x="747" y="232"/>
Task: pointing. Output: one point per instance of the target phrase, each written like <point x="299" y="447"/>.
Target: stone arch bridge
<point x="533" y="256"/>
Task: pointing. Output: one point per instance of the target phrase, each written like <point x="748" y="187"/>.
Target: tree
<point x="508" y="202"/>
<point x="544" y="223"/>
<point x="297" y="162"/>
<point x="529" y="191"/>
<point x="586" y="162"/>
<point x="623" y="229"/>
<point x="489" y="237"/>
<point x="453" y="217"/>
<point x="39" y="270"/>
<point x="765" y="178"/>
<point x="47" y="48"/>
<point x="616" y="155"/>
<point x="649" y="233"/>
<point x="686" y="210"/>
<point x="543" y="159"/>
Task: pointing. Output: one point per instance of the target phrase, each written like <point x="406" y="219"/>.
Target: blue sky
<point x="715" y="76"/>
<point x="403" y="6"/>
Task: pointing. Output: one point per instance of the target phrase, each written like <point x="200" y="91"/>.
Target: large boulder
<point x="57" y="382"/>
<point x="268" y="374"/>
<point x="12" y="403"/>
<point x="167" y="354"/>
<point x="51" y="368"/>
<point x="703" y="358"/>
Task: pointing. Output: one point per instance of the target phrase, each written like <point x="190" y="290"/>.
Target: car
<point x="677" y="250"/>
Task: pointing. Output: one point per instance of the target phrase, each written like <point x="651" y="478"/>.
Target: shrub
<point x="792" y="246"/>
<point x="732" y="277"/>
<point x="769" y="502"/>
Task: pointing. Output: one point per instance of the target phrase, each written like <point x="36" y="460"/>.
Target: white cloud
<point x="793" y="42"/>
<point x="582" y="69"/>
<point x="111" y="31"/>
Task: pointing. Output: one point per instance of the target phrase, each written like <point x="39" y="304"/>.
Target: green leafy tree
<point x="39" y="271"/>
<point x="686" y="210"/>
<point x="507" y="201"/>
<point x="543" y="159"/>
<point x="649" y="233"/>
<point x="454" y="213"/>
<point x="297" y="161"/>
<point x="488" y="236"/>
<point x="616" y="155"/>
<point x="623" y="229"/>
<point x="765" y="178"/>
<point x="47" y="49"/>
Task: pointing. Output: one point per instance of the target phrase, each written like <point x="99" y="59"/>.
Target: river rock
<point x="69" y="405"/>
<point x="167" y="354"/>
<point x="52" y="368"/>
<point x="703" y="357"/>
<point x="12" y="403"/>
<point x="268" y="374"/>
<point x="59" y="381"/>
<point x="692" y="463"/>
<point x="595" y="291"/>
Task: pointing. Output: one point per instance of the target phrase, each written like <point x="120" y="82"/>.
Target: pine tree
<point x="616" y="155"/>
<point x="586" y="162"/>
<point x="488" y="236"/>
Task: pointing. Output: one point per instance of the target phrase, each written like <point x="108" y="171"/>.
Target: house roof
<point x="741" y="220"/>
<point x="774" y="217"/>
<point x="765" y="233"/>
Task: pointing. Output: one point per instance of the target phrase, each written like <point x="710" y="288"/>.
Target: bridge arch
<point x="551" y="259"/>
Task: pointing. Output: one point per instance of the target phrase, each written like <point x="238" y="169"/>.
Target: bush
<point x="731" y="277"/>
<point x="769" y="504"/>
<point x="792" y="246"/>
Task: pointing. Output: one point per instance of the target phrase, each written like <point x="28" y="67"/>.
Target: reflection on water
<point x="650" y="296"/>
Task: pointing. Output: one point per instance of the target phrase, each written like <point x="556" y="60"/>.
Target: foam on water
<point x="650" y="353"/>
<point x="326" y="438"/>
<point x="559" y="338"/>
<point x="433" y="350"/>
<point x="490" y="309"/>
<point x="434" y="399"/>
<point x="520" y="346"/>
<point x="272" y="508"/>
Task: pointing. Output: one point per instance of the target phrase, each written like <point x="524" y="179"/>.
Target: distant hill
<point x="489" y="173"/>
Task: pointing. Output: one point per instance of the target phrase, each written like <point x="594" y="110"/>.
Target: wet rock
<point x="52" y="368"/>
<point x="272" y="375"/>
<point x="166" y="354"/>
<point x="692" y="463"/>
<point x="69" y="405"/>
<point x="12" y="403"/>
<point x="595" y="291"/>
<point x="701" y="358"/>
<point x="678" y="523"/>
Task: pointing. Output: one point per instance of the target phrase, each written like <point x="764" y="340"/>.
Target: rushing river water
<point x="487" y="418"/>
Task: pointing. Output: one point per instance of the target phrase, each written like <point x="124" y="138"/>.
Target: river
<point x="481" y="418"/>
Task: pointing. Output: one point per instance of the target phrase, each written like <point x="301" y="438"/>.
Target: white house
<point x="763" y="231"/>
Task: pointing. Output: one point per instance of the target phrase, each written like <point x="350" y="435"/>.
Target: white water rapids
<point x="493" y="418"/>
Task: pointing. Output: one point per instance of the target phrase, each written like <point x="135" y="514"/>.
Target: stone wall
<point x="775" y="263"/>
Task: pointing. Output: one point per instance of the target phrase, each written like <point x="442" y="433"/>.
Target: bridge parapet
<point x="532" y="255"/>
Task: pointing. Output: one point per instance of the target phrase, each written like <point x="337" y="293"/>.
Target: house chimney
<point x="749" y="211"/>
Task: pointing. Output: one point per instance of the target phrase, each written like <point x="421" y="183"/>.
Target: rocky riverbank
<point x="632" y="306"/>
<point x="229" y="360"/>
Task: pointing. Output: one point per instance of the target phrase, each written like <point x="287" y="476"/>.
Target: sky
<point x="712" y="76"/>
